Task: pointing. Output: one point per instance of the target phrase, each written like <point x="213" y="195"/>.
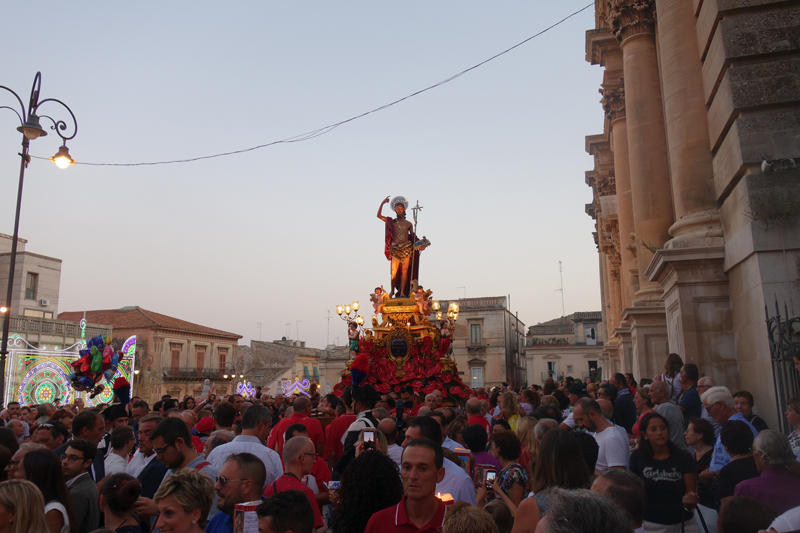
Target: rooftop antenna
<point x="258" y="325"/>
<point x="288" y="329"/>
<point x="297" y="328"/>
<point x="328" y="338"/>
<point x="561" y="290"/>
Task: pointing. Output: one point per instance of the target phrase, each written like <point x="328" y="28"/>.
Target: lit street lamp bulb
<point x="360" y="320"/>
<point x="3" y="309"/>
<point x="436" y="305"/>
<point x="347" y="309"/>
<point x="355" y="305"/>
<point x="339" y="309"/>
<point x="62" y="162"/>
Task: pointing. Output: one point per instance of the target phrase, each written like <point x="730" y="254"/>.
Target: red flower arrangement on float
<point x="423" y="370"/>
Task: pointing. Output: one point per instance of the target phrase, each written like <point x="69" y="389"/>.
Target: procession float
<point x="408" y="340"/>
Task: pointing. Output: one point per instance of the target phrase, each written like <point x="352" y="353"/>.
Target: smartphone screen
<point x="369" y="439"/>
<point x="491" y="475"/>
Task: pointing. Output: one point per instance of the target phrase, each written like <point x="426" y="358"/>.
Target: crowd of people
<point x="675" y="453"/>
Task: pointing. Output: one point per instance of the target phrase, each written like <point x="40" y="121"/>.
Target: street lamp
<point x="31" y="130"/>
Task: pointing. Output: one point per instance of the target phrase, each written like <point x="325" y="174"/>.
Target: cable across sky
<point x="327" y="129"/>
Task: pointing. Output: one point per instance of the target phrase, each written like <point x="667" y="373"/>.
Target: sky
<point x="281" y="235"/>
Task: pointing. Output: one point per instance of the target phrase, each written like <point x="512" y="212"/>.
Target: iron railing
<point x="784" y="345"/>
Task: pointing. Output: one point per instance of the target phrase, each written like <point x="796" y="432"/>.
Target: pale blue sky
<point x="283" y="234"/>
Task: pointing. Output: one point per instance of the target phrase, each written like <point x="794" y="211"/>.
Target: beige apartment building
<point x="696" y="190"/>
<point x="488" y="342"/>
<point x="568" y="346"/>
<point x="37" y="279"/>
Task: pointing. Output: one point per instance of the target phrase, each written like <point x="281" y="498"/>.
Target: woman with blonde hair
<point x="24" y="507"/>
<point x="510" y="410"/>
<point x="530" y="445"/>
<point x="465" y="518"/>
<point x="183" y="501"/>
<point x="552" y="400"/>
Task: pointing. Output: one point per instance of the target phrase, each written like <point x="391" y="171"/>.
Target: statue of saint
<point x="400" y="247"/>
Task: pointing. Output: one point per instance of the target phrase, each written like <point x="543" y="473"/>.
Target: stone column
<point x="614" y="105"/>
<point x="632" y="22"/>
<point x="697" y="219"/>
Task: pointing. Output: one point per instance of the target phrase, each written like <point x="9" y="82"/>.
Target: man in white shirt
<point x="142" y="457"/>
<point x="608" y="412"/>
<point x="388" y="427"/>
<point x="614" y="449"/>
<point x="122" y="441"/>
<point x="256" y="424"/>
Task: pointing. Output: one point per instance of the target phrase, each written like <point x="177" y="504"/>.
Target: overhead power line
<point x="327" y="129"/>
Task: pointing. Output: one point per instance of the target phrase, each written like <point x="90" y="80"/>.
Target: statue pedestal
<point x="405" y="348"/>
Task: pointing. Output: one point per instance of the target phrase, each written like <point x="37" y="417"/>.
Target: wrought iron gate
<point x="784" y="345"/>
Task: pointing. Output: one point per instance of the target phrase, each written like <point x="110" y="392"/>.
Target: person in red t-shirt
<point x="302" y="412"/>
<point x="475" y="415"/>
<point x="337" y="428"/>
<point x="420" y="511"/>
<point x="298" y="459"/>
<point x="320" y="471"/>
<point x="407" y="394"/>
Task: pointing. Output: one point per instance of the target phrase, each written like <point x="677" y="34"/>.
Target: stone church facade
<point x="695" y="185"/>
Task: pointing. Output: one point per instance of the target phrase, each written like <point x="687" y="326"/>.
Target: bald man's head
<point x="473" y="407"/>
<point x="388" y="427"/>
<point x="295" y="447"/>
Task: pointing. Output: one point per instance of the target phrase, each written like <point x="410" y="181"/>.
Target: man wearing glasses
<point x="173" y="446"/>
<point x="75" y="463"/>
<point x="299" y="456"/>
<point x="240" y="480"/>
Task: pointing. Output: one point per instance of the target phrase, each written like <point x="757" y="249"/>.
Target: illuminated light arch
<point x="245" y="388"/>
<point x="296" y="387"/>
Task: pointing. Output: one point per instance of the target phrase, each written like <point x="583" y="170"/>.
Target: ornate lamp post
<point x="31" y="130"/>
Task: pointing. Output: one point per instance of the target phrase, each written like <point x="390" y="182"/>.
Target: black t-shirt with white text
<point x="665" y="485"/>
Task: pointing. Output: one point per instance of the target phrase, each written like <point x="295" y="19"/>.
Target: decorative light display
<point x="82" y="324"/>
<point x="40" y="375"/>
<point x="296" y="387"/>
<point x="245" y="388"/>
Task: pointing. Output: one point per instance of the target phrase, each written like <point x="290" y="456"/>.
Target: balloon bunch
<point x="98" y="360"/>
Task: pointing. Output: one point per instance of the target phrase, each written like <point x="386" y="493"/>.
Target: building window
<point x="477" y="377"/>
<point x="175" y="358"/>
<point x="569" y="368"/>
<point x="306" y="375"/>
<point x="200" y="355"/>
<point x="31" y="286"/>
<point x="35" y="313"/>
<point x="475" y="334"/>
<point x="223" y="358"/>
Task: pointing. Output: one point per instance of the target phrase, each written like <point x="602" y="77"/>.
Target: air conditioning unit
<point x="44" y="303"/>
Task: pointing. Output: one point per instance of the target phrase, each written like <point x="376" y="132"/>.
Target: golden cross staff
<point x="416" y="209"/>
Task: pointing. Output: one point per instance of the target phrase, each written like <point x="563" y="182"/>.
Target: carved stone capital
<point x="606" y="184"/>
<point x="628" y="18"/>
<point x="613" y="101"/>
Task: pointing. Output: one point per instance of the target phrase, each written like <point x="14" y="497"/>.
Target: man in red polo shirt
<point x="298" y="459"/>
<point x="302" y="412"/>
<point x="420" y="511"/>
<point x="338" y="427"/>
<point x="475" y="415"/>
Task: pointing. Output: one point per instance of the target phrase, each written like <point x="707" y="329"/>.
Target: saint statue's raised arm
<point x="401" y="247"/>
